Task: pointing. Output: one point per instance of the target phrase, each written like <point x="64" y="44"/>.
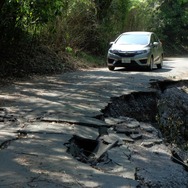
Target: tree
<point x="174" y="20"/>
<point x="102" y="7"/>
<point x="19" y="16"/>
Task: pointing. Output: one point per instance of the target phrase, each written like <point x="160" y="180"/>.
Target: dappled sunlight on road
<point x="86" y="90"/>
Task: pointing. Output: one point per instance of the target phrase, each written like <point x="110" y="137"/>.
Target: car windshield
<point x="132" y="39"/>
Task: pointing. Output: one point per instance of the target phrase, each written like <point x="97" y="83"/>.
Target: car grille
<point x="143" y="61"/>
<point x="125" y="54"/>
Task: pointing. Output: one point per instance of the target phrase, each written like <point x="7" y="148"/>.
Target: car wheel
<point x="150" y="68"/>
<point x="160" y="65"/>
<point x="111" y="68"/>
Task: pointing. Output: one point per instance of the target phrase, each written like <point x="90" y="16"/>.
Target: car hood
<point x="119" y="47"/>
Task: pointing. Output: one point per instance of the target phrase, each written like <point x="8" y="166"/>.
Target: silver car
<point x="135" y="49"/>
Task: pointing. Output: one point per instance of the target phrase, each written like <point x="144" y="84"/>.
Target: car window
<point x="132" y="39"/>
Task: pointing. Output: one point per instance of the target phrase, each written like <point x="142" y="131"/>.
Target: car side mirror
<point x="111" y="43"/>
<point x="155" y="44"/>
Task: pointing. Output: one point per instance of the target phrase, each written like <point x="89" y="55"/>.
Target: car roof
<point x="138" y="32"/>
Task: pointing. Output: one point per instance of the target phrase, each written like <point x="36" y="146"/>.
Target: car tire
<point x="151" y="64"/>
<point x="111" y="68"/>
<point x="160" y="65"/>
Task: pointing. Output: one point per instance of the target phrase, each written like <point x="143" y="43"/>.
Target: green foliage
<point x="102" y="7"/>
<point x="83" y="60"/>
<point x="73" y="28"/>
<point x="23" y="16"/>
<point x="174" y="22"/>
<point x="91" y="60"/>
<point x="101" y="19"/>
<point x="20" y="23"/>
<point x="69" y="49"/>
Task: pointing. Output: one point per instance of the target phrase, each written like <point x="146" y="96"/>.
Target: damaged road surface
<point x="96" y="128"/>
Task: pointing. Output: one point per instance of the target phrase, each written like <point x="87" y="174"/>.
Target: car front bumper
<point x="133" y="60"/>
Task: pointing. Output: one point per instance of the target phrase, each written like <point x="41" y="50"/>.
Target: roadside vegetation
<point x="47" y="37"/>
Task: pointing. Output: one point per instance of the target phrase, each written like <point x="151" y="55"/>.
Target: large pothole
<point x="166" y="108"/>
<point x="140" y="105"/>
<point x="136" y="122"/>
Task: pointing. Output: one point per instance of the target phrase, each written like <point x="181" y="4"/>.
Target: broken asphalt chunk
<point x="177" y="159"/>
<point x="126" y="139"/>
<point x="136" y="136"/>
<point x="126" y="131"/>
<point x="92" y="151"/>
<point x="151" y="142"/>
<point x="101" y="149"/>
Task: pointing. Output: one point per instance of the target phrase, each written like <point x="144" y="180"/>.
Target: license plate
<point x="126" y="60"/>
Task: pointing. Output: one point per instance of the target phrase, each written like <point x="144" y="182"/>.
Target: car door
<point x="156" y="47"/>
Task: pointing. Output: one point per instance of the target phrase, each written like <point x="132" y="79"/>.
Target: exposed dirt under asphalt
<point x="39" y="117"/>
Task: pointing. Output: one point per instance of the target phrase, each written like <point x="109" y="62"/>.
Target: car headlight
<point x="142" y="51"/>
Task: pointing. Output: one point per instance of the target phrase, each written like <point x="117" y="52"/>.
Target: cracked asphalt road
<point x="69" y="104"/>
